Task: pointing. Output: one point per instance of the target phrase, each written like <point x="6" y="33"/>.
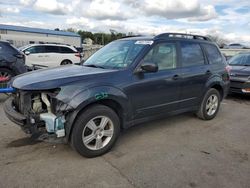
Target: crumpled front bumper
<point x="12" y="114"/>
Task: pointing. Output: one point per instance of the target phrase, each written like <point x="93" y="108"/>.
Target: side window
<point x="66" y="50"/>
<point x="35" y="49"/>
<point x="191" y="54"/>
<point x="52" y="49"/>
<point x="213" y="54"/>
<point x="164" y="55"/>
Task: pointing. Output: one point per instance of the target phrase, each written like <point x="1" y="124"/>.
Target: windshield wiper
<point x="95" y="66"/>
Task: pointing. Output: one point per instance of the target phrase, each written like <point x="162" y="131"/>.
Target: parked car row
<point x="15" y="61"/>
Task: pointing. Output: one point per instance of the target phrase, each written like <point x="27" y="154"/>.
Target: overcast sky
<point x="228" y="18"/>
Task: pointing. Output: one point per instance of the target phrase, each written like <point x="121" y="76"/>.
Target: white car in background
<point x="50" y="55"/>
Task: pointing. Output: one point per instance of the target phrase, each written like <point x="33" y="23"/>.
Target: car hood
<point x="56" y="77"/>
<point x="240" y="71"/>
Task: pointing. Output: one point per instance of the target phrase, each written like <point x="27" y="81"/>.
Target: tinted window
<point x="52" y="49"/>
<point x="164" y="55"/>
<point x="66" y="50"/>
<point x="116" y="55"/>
<point x="35" y="49"/>
<point x="191" y="54"/>
<point x="241" y="60"/>
<point x="213" y="54"/>
<point x="8" y="48"/>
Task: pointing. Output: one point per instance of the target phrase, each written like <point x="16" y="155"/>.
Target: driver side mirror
<point x="26" y="52"/>
<point x="148" y="67"/>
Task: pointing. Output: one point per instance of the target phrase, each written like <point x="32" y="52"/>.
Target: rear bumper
<point x="12" y="114"/>
<point x="239" y="87"/>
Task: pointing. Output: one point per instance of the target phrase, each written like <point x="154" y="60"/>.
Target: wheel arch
<point x="216" y="82"/>
<point x="66" y="60"/>
<point x="219" y="88"/>
<point x="109" y="96"/>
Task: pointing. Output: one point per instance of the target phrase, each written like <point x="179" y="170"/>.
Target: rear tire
<point x="95" y="131"/>
<point x="66" y="62"/>
<point x="210" y="105"/>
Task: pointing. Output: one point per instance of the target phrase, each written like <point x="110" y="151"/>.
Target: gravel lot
<point x="180" y="151"/>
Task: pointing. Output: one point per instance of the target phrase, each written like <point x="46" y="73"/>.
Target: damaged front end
<point x="39" y="113"/>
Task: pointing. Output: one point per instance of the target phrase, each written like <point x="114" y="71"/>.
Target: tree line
<point x="100" y="38"/>
<point x="105" y="38"/>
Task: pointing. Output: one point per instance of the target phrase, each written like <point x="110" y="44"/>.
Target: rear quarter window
<point x="191" y="54"/>
<point x="213" y="54"/>
<point x="66" y="50"/>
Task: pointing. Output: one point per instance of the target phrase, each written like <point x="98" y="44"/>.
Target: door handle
<point x="176" y="77"/>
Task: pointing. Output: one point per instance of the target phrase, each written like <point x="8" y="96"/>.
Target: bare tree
<point x="221" y="42"/>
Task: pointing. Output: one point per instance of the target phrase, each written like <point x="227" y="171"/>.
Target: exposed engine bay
<point x="44" y="116"/>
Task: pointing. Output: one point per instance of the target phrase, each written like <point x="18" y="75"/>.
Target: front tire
<point x="210" y="105"/>
<point x="95" y="131"/>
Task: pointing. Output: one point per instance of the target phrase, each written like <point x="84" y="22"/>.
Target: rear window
<point x="192" y="54"/>
<point x="66" y="50"/>
<point x="8" y="48"/>
<point x="213" y="54"/>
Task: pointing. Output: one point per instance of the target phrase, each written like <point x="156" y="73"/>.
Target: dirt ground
<point x="180" y="151"/>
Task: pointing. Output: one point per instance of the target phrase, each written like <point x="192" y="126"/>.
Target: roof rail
<point x="55" y="43"/>
<point x="129" y="36"/>
<point x="182" y="35"/>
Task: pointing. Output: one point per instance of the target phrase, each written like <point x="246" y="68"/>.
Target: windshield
<point x="116" y="55"/>
<point x="240" y="60"/>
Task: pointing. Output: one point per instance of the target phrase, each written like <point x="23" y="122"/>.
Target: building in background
<point x="20" y="36"/>
<point x="88" y="41"/>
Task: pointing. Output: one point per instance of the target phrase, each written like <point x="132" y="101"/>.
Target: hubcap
<point x="98" y="133"/>
<point x="212" y="105"/>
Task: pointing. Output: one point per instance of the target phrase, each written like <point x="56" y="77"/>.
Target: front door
<point x="35" y="55"/>
<point x="157" y="92"/>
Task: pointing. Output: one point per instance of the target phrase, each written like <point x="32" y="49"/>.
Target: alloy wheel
<point x="98" y="132"/>
<point x="212" y="105"/>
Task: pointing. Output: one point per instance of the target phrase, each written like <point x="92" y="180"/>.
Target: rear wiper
<point x="95" y="66"/>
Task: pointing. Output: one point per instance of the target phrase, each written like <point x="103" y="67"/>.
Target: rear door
<point x="194" y="73"/>
<point x="52" y="57"/>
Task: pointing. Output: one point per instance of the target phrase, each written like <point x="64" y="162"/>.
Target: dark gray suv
<point x="127" y="82"/>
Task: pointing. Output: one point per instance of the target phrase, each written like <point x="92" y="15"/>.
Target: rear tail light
<point x="228" y="69"/>
<point x="78" y="55"/>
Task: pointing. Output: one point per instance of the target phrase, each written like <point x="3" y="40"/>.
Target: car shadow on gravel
<point x="239" y="98"/>
<point x="22" y="142"/>
<point x="3" y="97"/>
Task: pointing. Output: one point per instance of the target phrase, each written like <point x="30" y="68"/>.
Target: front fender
<point x="91" y="96"/>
